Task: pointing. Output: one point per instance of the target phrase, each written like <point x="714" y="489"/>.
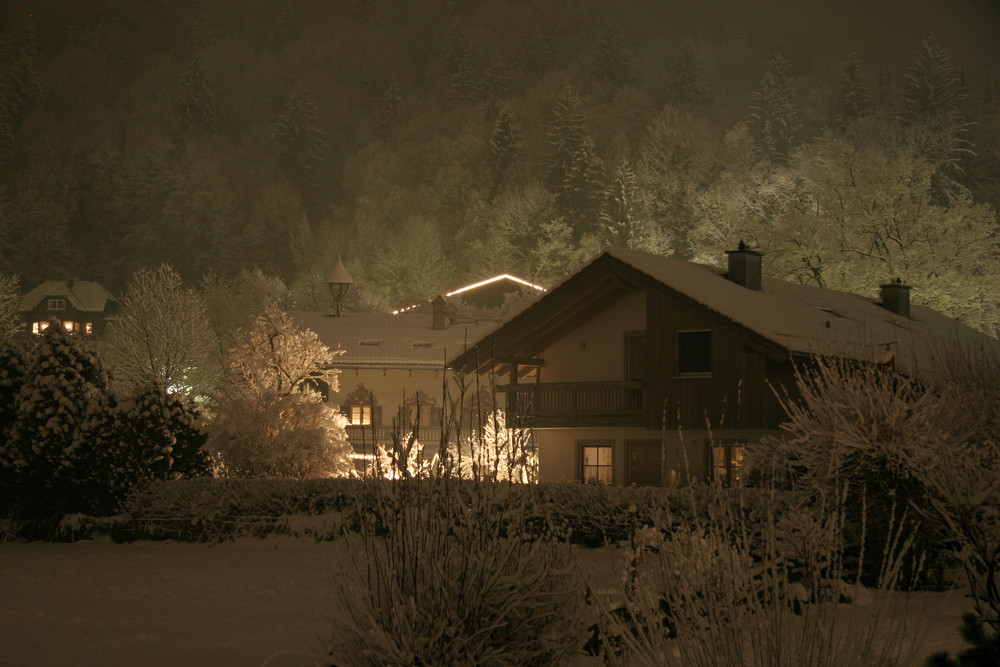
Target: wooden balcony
<point x="568" y="404"/>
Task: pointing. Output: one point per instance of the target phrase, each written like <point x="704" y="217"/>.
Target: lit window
<point x="39" y="327"/>
<point x="57" y="304"/>
<point x="361" y="415"/>
<point x="727" y="463"/>
<point x="596" y="464"/>
<point x="88" y="328"/>
<point x="69" y="326"/>
<point x="694" y="352"/>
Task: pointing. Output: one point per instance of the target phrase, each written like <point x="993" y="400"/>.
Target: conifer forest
<point x="430" y="143"/>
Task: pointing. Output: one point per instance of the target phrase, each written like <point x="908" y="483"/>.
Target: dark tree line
<point x="427" y="142"/>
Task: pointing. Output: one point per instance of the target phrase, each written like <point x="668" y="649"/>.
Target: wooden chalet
<point x="83" y="307"/>
<point x="641" y="369"/>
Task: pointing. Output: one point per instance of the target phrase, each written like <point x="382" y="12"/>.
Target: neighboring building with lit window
<point x="83" y="307"/>
<point x="393" y="368"/>
<point x="647" y="370"/>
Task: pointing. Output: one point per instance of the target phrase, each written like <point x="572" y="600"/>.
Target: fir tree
<point x="774" y="116"/>
<point x="613" y="64"/>
<point x="573" y="171"/>
<point x="301" y="142"/>
<point x="536" y="53"/>
<point x="687" y="87"/>
<point x="505" y="146"/>
<point x="933" y="92"/>
<point x="197" y="108"/>
<point x="854" y="97"/>
<point x="391" y="101"/>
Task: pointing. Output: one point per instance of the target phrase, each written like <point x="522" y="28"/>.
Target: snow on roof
<point x="84" y="295"/>
<point x="379" y="340"/>
<point x="795" y="318"/>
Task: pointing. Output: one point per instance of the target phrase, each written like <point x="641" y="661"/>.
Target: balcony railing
<point x="577" y="403"/>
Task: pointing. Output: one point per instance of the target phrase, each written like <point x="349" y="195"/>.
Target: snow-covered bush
<point x="710" y="587"/>
<point x="860" y="424"/>
<point x="168" y="431"/>
<point x="459" y="577"/>
<point x="65" y="448"/>
<point x="13" y="370"/>
<point x="269" y="420"/>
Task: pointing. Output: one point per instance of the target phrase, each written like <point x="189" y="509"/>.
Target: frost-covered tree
<point x="625" y="222"/>
<point x="161" y="336"/>
<point x="301" y="143"/>
<point x="234" y="303"/>
<point x="388" y="114"/>
<point x="270" y="420"/>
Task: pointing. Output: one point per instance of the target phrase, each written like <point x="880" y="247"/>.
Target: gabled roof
<point x="782" y="319"/>
<point x="84" y="295"/>
<point x="487" y="293"/>
<point x="381" y="340"/>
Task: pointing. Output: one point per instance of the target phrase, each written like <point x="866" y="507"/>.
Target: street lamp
<point x="340" y="283"/>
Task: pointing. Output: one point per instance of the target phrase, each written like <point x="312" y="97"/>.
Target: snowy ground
<point x="249" y="602"/>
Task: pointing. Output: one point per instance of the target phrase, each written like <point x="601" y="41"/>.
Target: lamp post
<point x="340" y="283"/>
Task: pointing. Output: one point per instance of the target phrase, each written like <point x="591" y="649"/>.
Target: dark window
<point x="635" y="355"/>
<point x="645" y="463"/>
<point x="596" y="464"/>
<point x="694" y="352"/>
<point x="727" y="463"/>
<point x="57" y="304"/>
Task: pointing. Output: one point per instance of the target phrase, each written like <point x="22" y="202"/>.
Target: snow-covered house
<point x="393" y="365"/>
<point x="638" y="369"/>
<point x="83" y="306"/>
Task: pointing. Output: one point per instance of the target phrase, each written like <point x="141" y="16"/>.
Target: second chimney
<point x="744" y="267"/>
<point x="439" y="306"/>
<point x="895" y="297"/>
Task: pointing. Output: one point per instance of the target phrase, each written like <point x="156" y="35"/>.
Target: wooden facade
<point x="642" y="369"/>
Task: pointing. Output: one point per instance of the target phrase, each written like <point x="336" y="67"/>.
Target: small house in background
<point x="393" y="369"/>
<point x="84" y="307"/>
<point x="641" y="369"/>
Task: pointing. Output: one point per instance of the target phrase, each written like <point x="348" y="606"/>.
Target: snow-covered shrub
<point x="168" y="431"/>
<point x="859" y="424"/>
<point x="459" y="577"/>
<point x="270" y="421"/>
<point x="13" y="369"/>
<point x="65" y="447"/>
<point x="711" y="588"/>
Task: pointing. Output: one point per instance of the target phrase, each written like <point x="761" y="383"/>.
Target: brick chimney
<point x="440" y="309"/>
<point x="744" y="267"/>
<point x="895" y="297"/>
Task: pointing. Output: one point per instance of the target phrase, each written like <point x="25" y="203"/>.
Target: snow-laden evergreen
<point x="65" y="423"/>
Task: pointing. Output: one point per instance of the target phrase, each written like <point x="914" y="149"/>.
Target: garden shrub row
<point x="205" y="509"/>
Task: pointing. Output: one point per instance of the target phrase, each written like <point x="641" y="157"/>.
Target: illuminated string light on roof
<point x="493" y="280"/>
<point x="481" y="283"/>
